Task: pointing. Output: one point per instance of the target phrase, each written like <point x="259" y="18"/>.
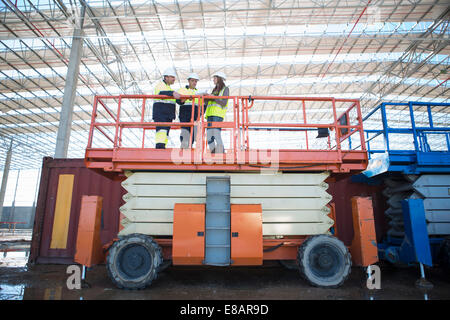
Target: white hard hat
<point x="220" y="74"/>
<point x="170" y="72"/>
<point x="193" y="76"/>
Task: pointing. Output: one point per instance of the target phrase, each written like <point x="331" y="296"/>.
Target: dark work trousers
<point x="162" y="117"/>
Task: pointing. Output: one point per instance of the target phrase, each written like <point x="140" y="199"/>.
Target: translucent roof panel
<point x="386" y="50"/>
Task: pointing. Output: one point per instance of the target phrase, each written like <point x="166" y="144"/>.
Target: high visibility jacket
<point x="163" y="109"/>
<point x="189" y="92"/>
<point x="215" y="109"/>
<point x="186" y="108"/>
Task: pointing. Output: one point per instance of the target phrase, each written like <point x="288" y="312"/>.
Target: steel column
<point x="5" y="178"/>
<point x="65" y="122"/>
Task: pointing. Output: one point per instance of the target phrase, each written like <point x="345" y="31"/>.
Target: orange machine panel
<point x="188" y="234"/>
<point x="364" y="245"/>
<point x="89" y="248"/>
<point x="246" y="234"/>
<point x="282" y="249"/>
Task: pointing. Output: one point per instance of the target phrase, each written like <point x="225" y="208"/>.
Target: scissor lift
<point x="410" y="154"/>
<point x="264" y="198"/>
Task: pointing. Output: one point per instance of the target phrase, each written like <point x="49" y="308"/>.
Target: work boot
<point x="160" y="146"/>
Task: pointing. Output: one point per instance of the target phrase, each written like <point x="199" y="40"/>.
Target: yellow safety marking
<point x="62" y="212"/>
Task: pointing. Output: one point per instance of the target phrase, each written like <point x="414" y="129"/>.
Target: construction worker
<point x="215" y="111"/>
<point x="164" y="109"/>
<point x="185" y="113"/>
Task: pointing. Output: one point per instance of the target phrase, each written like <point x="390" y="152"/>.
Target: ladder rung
<point x="217" y="193"/>
<point x="217" y="228"/>
<point x="216" y="264"/>
<point x="217" y="211"/>
<point x="217" y="246"/>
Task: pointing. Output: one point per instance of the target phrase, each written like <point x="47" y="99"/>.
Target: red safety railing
<point x="112" y="123"/>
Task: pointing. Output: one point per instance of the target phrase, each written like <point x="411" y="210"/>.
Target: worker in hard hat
<point x="164" y="109"/>
<point x="185" y="114"/>
<point x="215" y="111"/>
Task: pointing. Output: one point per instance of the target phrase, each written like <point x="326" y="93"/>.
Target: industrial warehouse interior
<point x="247" y="151"/>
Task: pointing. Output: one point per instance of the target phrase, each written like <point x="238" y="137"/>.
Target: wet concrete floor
<point x="270" y="282"/>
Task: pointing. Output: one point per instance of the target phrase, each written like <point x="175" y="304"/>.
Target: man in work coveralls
<point x="185" y="114"/>
<point x="164" y="109"/>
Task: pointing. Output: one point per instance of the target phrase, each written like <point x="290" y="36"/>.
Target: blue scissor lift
<point x="410" y="155"/>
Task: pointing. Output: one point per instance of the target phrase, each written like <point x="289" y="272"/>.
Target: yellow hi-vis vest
<point x="189" y="92"/>
<point x="162" y="86"/>
<point x="215" y="109"/>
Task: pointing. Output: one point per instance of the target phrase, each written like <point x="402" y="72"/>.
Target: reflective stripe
<point x="215" y="111"/>
<point x="188" y="92"/>
<point x="213" y="103"/>
<point x="161" y="136"/>
<point x="162" y="86"/>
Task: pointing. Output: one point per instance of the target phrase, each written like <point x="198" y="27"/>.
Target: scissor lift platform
<point x="336" y="151"/>
<point x="414" y="140"/>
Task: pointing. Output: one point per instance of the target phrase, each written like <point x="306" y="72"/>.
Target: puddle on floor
<point x="21" y="292"/>
<point x="11" y="292"/>
<point x="16" y="259"/>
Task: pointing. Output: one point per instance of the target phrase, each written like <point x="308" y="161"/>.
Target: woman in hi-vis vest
<point x="215" y="112"/>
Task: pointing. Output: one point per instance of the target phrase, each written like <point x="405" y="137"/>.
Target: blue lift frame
<point x="421" y="159"/>
<point x="416" y="246"/>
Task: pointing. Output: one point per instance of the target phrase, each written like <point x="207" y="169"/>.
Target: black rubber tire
<point x="324" y="261"/>
<point x="289" y="264"/>
<point x="444" y="256"/>
<point x="164" y="265"/>
<point x="133" y="261"/>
